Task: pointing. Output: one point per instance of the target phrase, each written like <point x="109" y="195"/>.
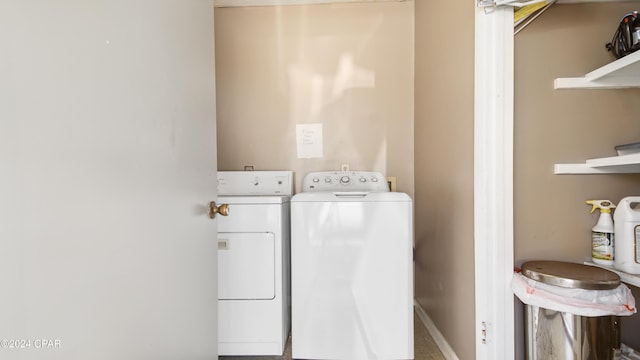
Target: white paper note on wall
<point x="309" y="140"/>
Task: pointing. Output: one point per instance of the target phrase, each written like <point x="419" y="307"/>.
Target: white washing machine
<point x="254" y="301"/>
<point x="352" y="268"/>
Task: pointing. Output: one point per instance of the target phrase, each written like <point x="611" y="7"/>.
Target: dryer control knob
<point x="327" y="179"/>
<point x="362" y="180"/>
<point x="374" y="179"/>
<point x="315" y="180"/>
<point x="345" y="180"/>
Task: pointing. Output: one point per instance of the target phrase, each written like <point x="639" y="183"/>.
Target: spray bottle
<point x="602" y="248"/>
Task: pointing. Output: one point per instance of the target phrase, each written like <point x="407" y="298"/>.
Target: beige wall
<point x="552" y="222"/>
<point x="444" y="169"/>
<point x="346" y="66"/>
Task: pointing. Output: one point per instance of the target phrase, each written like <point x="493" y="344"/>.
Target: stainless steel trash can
<point x="552" y="334"/>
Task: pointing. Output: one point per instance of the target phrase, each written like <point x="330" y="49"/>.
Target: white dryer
<point x="352" y="268"/>
<point x="254" y="262"/>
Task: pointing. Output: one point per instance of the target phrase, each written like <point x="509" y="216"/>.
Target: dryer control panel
<point x="256" y="183"/>
<point x="345" y="181"/>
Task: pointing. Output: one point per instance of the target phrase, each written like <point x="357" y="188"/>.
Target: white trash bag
<point x="618" y="301"/>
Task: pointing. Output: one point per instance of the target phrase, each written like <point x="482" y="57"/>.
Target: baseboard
<point x="442" y="343"/>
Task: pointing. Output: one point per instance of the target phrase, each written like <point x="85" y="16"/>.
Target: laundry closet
<point x="282" y="66"/>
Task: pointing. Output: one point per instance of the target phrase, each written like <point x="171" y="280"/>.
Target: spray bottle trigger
<point x="603" y="205"/>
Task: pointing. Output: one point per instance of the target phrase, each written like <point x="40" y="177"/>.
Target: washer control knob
<point x="374" y="179"/>
<point x="327" y="179"/>
<point x="315" y="180"/>
<point x="363" y="180"/>
<point x="345" y="180"/>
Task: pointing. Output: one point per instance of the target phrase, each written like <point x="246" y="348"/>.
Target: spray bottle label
<point x="603" y="245"/>
<point x="636" y="243"/>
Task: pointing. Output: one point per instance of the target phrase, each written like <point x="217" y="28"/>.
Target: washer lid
<point x="571" y="275"/>
<point x="350" y="196"/>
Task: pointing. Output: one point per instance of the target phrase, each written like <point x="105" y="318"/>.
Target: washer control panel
<point x="256" y="183"/>
<point x="345" y="181"/>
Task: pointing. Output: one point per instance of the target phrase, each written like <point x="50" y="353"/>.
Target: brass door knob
<point x="214" y="210"/>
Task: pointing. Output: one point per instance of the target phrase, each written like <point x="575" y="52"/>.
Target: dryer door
<point x="246" y="266"/>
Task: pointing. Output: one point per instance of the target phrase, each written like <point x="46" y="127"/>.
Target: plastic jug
<point x="627" y="229"/>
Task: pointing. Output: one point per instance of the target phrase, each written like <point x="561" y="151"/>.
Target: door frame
<point x="493" y="183"/>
